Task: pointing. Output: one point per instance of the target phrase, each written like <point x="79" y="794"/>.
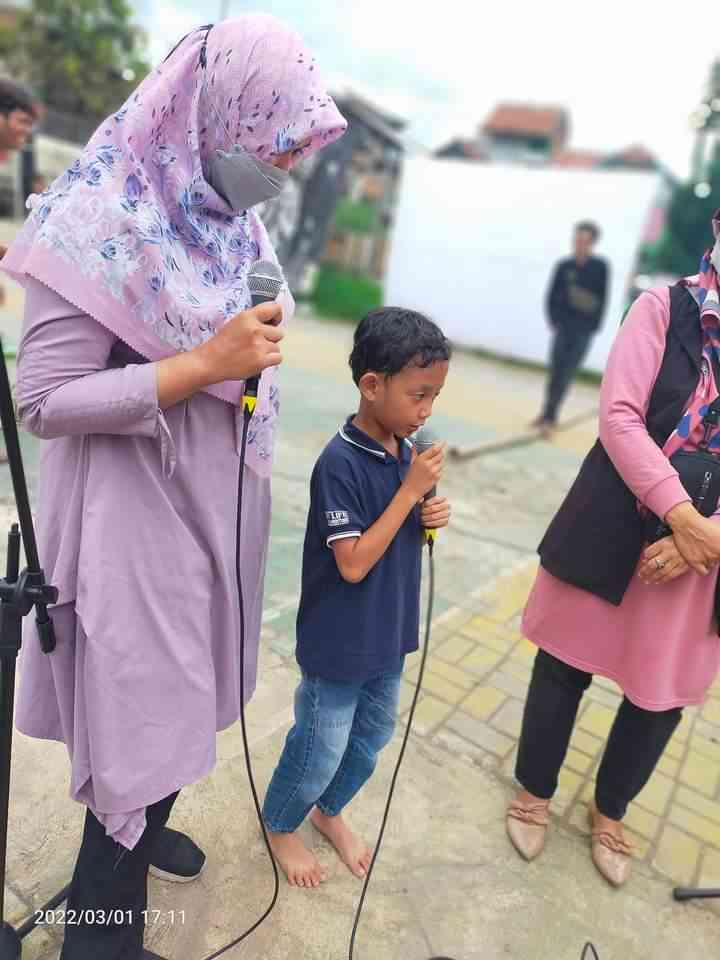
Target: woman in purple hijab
<point x="137" y="341"/>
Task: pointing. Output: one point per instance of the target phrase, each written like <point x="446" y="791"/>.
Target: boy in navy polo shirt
<point x="360" y="601"/>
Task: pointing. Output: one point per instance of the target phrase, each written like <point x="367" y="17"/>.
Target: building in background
<point x="534" y="135"/>
<point x="524" y="133"/>
<point x="348" y="197"/>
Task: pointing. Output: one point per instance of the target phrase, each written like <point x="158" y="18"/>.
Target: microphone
<point x="265" y="281"/>
<point x="423" y="440"/>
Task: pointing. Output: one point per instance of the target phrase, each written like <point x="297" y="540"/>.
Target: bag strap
<point x="710" y="421"/>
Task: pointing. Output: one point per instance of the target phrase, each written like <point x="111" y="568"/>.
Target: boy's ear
<point x="368" y="385"/>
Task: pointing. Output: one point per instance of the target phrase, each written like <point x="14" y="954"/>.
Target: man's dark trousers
<point x="569" y="349"/>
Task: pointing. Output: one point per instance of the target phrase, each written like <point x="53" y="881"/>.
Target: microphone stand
<point x="20" y="591"/>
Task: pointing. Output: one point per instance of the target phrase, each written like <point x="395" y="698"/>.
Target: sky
<point x="628" y="71"/>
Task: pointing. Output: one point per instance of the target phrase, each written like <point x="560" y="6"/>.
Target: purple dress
<point x="136" y="528"/>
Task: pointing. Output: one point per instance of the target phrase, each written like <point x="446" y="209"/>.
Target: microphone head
<point x="265" y="279"/>
<point x="424" y="439"/>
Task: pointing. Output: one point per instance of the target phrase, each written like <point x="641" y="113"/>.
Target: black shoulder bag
<point x="699" y="472"/>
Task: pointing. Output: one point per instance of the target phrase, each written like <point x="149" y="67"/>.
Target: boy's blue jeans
<point x="330" y="753"/>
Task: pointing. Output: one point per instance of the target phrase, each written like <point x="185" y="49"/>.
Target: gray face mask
<point x="244" y="181"/>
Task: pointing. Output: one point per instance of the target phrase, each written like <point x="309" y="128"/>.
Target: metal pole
<point x="224" y="8"/>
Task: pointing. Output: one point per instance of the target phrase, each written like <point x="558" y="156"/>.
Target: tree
<point x="79" y="56"/>
<point x="688" y="233"/>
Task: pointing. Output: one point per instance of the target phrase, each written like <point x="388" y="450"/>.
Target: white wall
<point x="53" y="156"/>
<point x="474" y="246"/>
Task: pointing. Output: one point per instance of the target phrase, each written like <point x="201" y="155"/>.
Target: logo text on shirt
<point x="337" y="518"/>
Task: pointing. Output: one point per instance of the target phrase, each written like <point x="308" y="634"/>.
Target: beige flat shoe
<point x="612" y="855"/>
<point x="527" y="825"/>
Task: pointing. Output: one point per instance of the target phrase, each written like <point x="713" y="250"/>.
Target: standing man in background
<point x="575" y="306"/>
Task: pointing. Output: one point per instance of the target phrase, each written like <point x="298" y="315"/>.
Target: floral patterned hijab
<point x="132" y="233"/>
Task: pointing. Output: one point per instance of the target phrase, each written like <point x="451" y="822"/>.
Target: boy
<point x="360" y="602"/>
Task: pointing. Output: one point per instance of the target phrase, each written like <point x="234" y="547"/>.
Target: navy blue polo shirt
<point x="349" y="632"/>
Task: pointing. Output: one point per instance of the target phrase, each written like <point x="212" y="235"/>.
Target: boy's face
<point x="402" y="403"/>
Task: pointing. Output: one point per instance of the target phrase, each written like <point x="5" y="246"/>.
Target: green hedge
<point x="339" y="293"/>
<point x="361" y="217"/>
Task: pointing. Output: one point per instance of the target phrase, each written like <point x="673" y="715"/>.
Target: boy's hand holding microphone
<point x="423" y="477"/>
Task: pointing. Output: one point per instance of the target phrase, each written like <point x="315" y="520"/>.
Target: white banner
<point x="474" y="247"/>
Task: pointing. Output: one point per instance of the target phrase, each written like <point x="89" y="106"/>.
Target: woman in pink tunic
<point x="137" y="341"/>
<point x="653" y="631"/>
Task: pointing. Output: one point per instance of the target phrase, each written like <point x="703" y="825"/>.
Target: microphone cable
<point x="248" y="407"/>
<point x="430" y="540"/>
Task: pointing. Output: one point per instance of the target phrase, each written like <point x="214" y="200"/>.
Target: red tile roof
<point x="518" y="118"/>
<point x="636" y="156"/>
<point x="577" y="158"/>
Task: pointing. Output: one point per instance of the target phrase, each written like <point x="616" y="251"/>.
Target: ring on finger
<point x="660" y="563"/>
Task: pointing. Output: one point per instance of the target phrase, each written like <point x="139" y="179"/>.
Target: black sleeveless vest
<point x="595" y="539"/>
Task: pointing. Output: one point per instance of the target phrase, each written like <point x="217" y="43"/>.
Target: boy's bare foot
<point x="352" y="851"/>
<point x="300" y="866"/>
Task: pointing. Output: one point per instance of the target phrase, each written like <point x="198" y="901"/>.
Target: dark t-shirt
<point x="577" y="295"/>
<point x="349" y="632"/>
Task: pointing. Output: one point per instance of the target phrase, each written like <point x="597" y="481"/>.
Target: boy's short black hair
<point x="389" y="339"/>
<point x="592" y="228"/>
<point x="13" y="97"/>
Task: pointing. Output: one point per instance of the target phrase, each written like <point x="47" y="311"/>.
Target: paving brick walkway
<point x="472" y="702"/>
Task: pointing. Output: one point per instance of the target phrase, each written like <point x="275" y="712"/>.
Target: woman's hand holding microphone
<point x="245" y="346"/>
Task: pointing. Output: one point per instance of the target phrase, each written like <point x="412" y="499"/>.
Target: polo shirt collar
<point x="357" y="438"/>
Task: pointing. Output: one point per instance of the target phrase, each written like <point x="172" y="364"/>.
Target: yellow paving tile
<point x="569" y="784"/>
<point x="579" y="818"/>
<point x="588" y="793"/>
<point x="509" y="717"/>
<point x="481" y="660"/>
<point x="597" y="720"/>
<point x="700" y="773"/>
<point x="669" y="766"/>
<point x="641" y="846"/>
<point x="452" y="673"/>
<point x="711" y="711"/>
<point x="518" y="668"/>
<point x="706" y="747"/>
<point x="586" y="742"/>
<point x="453" y="619"/>
<point x="525" y="650"/>
<point x="641" y="822"/>
<point x="488" y="633"/>
<point x="578" y="761"/>
<point x="455" y="648"/>
<point x="700" y="827"/>
<point x="675" y="749"/>
<point x="710" y="871"/>
<point x="654" y="797"/>
<point x="699" y="804"/>
<point x="483" y="702"/>
<point x="683" y="731"/>
<point x="430" y="714"/>
<point x="508" y="597"/>
<point x="407" y="692"/>
<point x="442" y="688"/>
<point x="677" y="855"/>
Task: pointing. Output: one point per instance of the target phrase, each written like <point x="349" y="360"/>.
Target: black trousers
<point x="636" y="742"/>
<point x="569" y="349"/>
<point x="111" y="881"/>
